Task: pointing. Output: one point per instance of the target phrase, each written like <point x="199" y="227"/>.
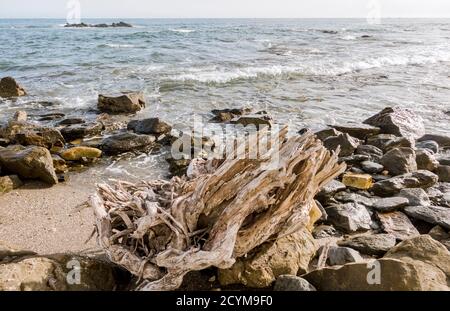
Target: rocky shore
<point x="392" y="203"/>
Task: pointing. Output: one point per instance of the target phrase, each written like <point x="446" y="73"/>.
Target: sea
<point x="304" y="72"/>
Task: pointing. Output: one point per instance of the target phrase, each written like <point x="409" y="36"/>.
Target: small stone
<point x="9" y="183"/>
<point x="59" y="164"/>
<point x="126" y="102"/>
<point x="226" y="115"/>
<point x="346" y="143"/>
<point x="419" y="179"/>
<point x="357" y="181"/>
<point x="350" y="217"/>
<point x="338" y="256"/>
<point x="376" y="245"/>
<point x="390" y="204"/>
<point x="354" y="159"/>
<point x="428" y="144"/>
<point x="292" y="283"/>
<point x="351" y="197"/>
<point x="331" y="188"/>
<point x="372" y="167"/>
<point x="358" y="130"/>
<point x="435" y="215"/>
<point x="399" y="121"/>
<point x="325" y="231"/>
<point x="71" y="121"/>
<point x="397" y="224"/>
<point x="400" y="161"/>
<point x="442" y="140"/>
<point x="373" y="152"/>
<point x="425" y="160"/>
<point x="77" y="153"/>
<point x="443" y="171"/>
<point x="153" y="126"/>
<point x="415" y="196"/>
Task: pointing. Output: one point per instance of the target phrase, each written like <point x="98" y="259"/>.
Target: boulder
<point x="419" y="179"/>
<point x="10" y="88"/>
<point x="394" y="275"/>
<point x="426" y="160"/>
<point x="43" y="137"/>
<point x="346" y="143"/>
<point x="400" y="161"/>
<point x="441" y="235"/>
<point x="350" y="217"/>
<point x="373" y="152"/>
<point x="329" y="132"/>
<point x="391" y="204"/>
<point x="77" y="153"/>
<point x="153" y="126"/>
<point x="372" y="167"/>
<point x="29" y="162"/>
<point x="398" y="225"/>
<point x="292" y="283"/>
<point x="287" y="255"/>
<point x="126" y="102"/>
<point x="375" y="245"/>
<point x="428" y="144"/>
<point x="398" y="121"/>
<point x="56" y="273"/>
<point x="430" y="258"/>
<point x="352" y="197"/>
<point x="77" y="131"/>
<point x="330" y="189"/>
<point x="9" y="183"/>
<point x="126" y="142"/>
<point x="415" y="196"/>
<point x="443" y="171"/>
<point x="358" y="130"/>
<point x="442" y="140"/>
<point x="71" y="121"/>
<point x="435" y="215"/>
<point x="338" y="256"/>
<point x="226" y="115"/>
<point x="357" y="181"/>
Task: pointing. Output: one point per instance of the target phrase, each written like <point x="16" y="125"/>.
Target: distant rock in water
<point x="113" y="25"/>
<point x="10" y="88"/>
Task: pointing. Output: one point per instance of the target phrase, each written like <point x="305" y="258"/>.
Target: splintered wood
<point x="161" y="230"/>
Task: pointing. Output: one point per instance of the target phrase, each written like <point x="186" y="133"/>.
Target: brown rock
<point x="10" y="88"/>
<point x="400" y="161"/>
<point x="397" y="224"/>
<point x="127" y="102"/>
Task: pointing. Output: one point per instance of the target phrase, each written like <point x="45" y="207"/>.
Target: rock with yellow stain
<point x="357" y="181"/>
<point x="77" y="153"/>
<point x="314" y="215"/>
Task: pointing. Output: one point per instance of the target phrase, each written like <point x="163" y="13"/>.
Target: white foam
<point x="119" y="46"/>
<point x="182" y="30"/>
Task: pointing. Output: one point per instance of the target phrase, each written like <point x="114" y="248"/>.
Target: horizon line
<point x="329" y="17"/>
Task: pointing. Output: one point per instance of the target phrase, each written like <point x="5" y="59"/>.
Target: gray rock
<point x="125" y="142"/>
<point x="444" y="160"/>
<point x="398" y="121"/>
<point x="442" y="140"/>
<point x="77" y="131"/>
<point x="390" y="204"/>
<point x="292" y="283"/>
<point x="373" y="152"/>
<point x="397" y="224"/>
<point x="419" y="179"/>
<point x="126" y="102"/>
<point x="358" y="130"/>
<point x="350" y="217"/>
<point x="71" y="121"/>
<point x="425" y="160"/>
<point x="324" y="134"/>
<point x="347" y="144"/>
<point x="153" y="126"/>
<point x="29" y="162"/>
<point x="371" y="167"/>
<point x="441" y="235"/>
<point x="10" y="88"/>
<point x="331" y="188"/>
<point x="376" y="245"/>
<point x="354" y="159"/>
<point x="325" y="231"/>
<point x="443" y="171"/>
<point x="428" y="144"/>
<point x="338" y="256"/>
<point x="226" y="115"/>
<point x="415" y="196"/>
<point x="435" y="215"/>
<point x="400" y="161"/>
<point x="351" y="197"/>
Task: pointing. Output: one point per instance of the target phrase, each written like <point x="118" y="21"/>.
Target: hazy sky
<point x="226" y="8"/>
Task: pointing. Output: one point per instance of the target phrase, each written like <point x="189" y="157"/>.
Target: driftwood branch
<point x="161" y="230"/>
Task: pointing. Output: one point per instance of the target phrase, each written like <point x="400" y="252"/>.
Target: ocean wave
<point x="348" y="38"/>
<point x="182" y="30"/>
<point x="116" y="46"/>
<point x="323" y="68"/>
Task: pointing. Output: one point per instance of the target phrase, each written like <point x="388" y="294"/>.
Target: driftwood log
<point x="160" y="230"/>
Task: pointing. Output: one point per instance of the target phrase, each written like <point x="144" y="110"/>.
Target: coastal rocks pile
<point x="113" y="25"/>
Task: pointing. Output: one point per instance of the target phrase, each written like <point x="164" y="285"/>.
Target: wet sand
<point x="48" y="220"/>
